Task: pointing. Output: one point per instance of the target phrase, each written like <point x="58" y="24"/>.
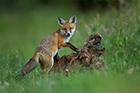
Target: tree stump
<point x="88" y="56"/>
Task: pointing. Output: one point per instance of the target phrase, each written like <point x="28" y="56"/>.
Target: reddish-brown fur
<point x="49" y="47"/>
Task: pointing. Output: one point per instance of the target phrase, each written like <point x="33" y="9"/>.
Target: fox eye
<point x="71" y="28"/>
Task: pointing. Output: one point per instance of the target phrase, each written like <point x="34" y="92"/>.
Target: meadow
<point x="21" y="32"/>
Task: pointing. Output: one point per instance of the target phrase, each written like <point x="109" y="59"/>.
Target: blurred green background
<point x="24" y="23"/>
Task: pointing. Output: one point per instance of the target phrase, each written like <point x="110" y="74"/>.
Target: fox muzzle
<point x="67" y="34"/>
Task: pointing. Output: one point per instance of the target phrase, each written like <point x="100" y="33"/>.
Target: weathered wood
<point x="88" y="56"/>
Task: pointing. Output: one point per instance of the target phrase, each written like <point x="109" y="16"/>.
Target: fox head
<point x="68" y="27"/>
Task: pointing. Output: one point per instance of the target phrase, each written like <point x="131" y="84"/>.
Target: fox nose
<point x="68" y="34"/>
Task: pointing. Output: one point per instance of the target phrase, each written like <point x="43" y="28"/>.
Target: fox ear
<point x="73" y="19"/>
<point x="60" y="20"/>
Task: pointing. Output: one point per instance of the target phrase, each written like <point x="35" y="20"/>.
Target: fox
<point x="47" y="51"/>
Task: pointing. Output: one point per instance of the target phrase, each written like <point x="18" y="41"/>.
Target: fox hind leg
<point x="46" y="63"/>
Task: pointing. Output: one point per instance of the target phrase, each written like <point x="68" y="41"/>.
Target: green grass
<point x="20" y="33"/>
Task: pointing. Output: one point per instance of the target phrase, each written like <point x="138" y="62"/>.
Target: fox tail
<point x="28" y="67"/>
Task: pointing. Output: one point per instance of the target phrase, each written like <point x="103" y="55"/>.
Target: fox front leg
<point x="71" y="46"/>
<point x="56" y="57"/>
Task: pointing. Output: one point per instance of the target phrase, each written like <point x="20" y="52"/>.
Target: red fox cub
<point x="47" y="50"/>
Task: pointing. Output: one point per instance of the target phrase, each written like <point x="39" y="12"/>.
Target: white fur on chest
<point x="54" y="53"/>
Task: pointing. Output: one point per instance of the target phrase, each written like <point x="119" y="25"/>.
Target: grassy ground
<point x="20" y="32"/>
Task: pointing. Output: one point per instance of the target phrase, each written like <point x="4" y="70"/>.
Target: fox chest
<point x="67" y="39"/>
